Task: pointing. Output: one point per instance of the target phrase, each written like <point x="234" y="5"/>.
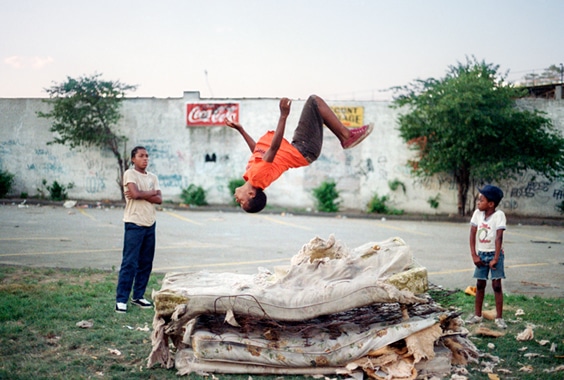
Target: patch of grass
<point x="39" y="339"/>
<point x="545" y="314"/>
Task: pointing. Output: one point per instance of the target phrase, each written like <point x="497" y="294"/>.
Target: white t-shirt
<point x="487" y="229"/>
<point x="140" y="211"/>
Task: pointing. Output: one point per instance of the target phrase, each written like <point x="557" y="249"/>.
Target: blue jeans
<point x="137" y="261"/>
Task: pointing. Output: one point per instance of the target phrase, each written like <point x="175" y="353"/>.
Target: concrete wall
<point x="211" y="156"/>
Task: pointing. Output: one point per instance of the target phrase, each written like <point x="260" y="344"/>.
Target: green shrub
<point x="378" y="205"/>
<point x="434" y="201"/>
<point x="233" y="184"/>
<point x="6" y="182"/>
<point x="560" y="207"/>
<point x="57" y="191"/>
<point x="395" y="184"/>
<point x="194" y="195"/>
<point x="326" y="195"/>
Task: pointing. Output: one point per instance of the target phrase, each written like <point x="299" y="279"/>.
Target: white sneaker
<point x="499" y="322"/>
<point x="121" y="307"/>
<point x="473" y="320"/>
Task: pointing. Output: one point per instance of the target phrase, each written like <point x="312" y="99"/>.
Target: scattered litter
<point x="523" y="349"/>
<point x="527" y="369"/>
<point x="543" y="342"/>
<point x="555" y="369"/>
<point x="491" y="346"/>
<point x="535" y="284"/>
<point x="128" y="327"/>
<point x="488" y="332"/>
<point x="505" y="371"/>
<point x="69" y="204"/>
<point x="145" y="328"/>
<point x="532" y="355"/>
<point x="85" y="324"/>
<point x="519" y="312"/>
<point x="458" y="377"/>
<point x="114" y="351"/>
<point x="527" y="334"/>
<point x="470" y="290"/>
<point x="553" y="347"/>
<point x="493" y="376"/>
<point x="490" y="315"/>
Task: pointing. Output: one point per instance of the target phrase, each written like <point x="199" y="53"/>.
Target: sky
<point x="337" y="49"/>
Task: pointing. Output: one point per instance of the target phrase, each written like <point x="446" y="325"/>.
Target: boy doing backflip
<point x="486" y="247"/>
<point x="272" y="154"/>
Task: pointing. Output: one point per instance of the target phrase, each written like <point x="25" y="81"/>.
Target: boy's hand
<point x="285" y="104"/>
<point x="493" y="263"/>
<point x="233" y="124"/>
<point x="477" y="262"/>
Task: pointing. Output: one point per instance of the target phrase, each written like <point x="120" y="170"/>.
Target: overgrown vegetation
<point x="6" y="182"/>
<point x="378" y="204"/>
<point x="57" y="191"/>
<point x="85" y="113"/>
<point x="326" y="196"/>
<point x="40" y="339"/>
<point x="194" y="195"/>
<point x="452" y="123"/>
<point x="434" y="201"/>
<point x="395" y="184"/>
<point x="560" y="207"/>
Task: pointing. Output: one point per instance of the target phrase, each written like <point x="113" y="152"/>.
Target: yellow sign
<point x="351" y="117"/>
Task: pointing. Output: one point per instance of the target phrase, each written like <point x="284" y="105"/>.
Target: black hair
<point x="496" y="203"/>
<point x="135" y="150"/>
<point x="257" y="203"/>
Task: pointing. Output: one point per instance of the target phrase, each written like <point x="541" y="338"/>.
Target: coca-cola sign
<point x="210" y="114"/>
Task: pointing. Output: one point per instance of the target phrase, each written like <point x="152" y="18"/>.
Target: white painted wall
<point x="178" y="157"/>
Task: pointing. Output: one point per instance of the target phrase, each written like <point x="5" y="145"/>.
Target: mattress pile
<point x="332" y="310"/>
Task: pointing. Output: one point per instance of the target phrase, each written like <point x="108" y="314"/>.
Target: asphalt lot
<point x="218" y="241"/>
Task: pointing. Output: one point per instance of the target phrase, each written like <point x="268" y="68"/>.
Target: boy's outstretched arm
<point x="285" y="104"/>
<point x="238" y="127"/>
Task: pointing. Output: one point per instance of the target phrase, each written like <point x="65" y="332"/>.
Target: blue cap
<point x="493" y="193"/>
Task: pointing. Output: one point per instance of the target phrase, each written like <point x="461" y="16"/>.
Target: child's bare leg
<point x="498" y="294"/>
<point x="480" y="293"/>
<point x="331" y="120"/>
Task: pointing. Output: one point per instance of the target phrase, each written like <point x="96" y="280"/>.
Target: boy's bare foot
<point x="357" y="135"/>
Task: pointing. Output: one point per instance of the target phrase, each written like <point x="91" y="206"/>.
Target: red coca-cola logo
<point x="205" y="114"/>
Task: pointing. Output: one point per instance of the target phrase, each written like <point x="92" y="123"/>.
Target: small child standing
<point x="486" y="248"/>
<point x="141" y="191"/>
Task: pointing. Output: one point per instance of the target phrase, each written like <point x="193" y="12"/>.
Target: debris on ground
<point x="527" y="334"/>
<point x="332" y="311"/>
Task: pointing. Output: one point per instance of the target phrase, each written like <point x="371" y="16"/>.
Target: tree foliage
<point x="469" y="125"/>
<point x="85" y="112"/>
<point x="552" y="74"/>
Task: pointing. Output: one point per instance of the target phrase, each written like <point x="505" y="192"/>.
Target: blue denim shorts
<point x="482" y="273"/>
